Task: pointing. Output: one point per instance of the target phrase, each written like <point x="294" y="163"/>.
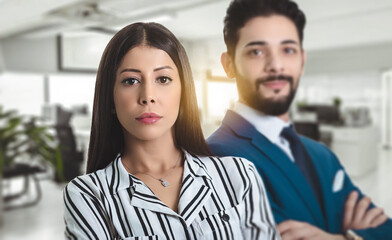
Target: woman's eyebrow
<point x="130" y="70"/>
<point x="161" y="68"/>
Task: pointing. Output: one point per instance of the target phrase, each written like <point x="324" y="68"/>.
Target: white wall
<point x="26" y="62"/>
<point x="30" y="55"/>
<point x="356" y="89"/>
<point x="344" y="24"/>
<point x="70" y="90"/>
<point x="349" y="59"/>
<point x="2" y="67"/>
<point x="23" y="92"/>
<point x="213" y="98"/>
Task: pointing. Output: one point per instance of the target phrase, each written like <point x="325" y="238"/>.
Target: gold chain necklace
<point x="164" y="182"/>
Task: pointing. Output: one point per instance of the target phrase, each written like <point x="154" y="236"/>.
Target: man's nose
<point x="274" y="63"/>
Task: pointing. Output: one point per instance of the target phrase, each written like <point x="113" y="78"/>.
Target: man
<point x="310" y="193"/>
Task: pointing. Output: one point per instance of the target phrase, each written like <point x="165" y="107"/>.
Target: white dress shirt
<point x="220" y="198"/>
<point x="270" y="126"/>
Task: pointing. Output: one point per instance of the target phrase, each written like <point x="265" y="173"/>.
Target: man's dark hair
<point x="241" y="11"/>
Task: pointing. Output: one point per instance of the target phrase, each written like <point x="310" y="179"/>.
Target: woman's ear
<point x="228" y="65"/>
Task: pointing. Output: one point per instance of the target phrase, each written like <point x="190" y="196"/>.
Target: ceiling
<point x="331" y="23"/>
<point x="38" y="18"/>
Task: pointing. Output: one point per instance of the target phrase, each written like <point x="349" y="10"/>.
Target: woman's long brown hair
<point x="106" y="138"/>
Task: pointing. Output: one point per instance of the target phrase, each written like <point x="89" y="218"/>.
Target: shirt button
<point x="225" y="217"/>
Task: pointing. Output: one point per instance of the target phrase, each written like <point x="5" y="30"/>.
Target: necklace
<point x="164" y="182"/>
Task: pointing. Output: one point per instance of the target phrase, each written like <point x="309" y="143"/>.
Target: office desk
<point x="82" y="137"/>
<point x="356" y="147"/>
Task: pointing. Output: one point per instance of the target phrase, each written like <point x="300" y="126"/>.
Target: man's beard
<point x="254" y="99"/>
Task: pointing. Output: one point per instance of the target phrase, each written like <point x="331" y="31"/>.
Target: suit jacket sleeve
<point x="381" y="232"/>
<point x="384" y="231"/>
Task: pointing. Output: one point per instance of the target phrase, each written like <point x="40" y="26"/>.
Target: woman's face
<point x="147" y="94"/>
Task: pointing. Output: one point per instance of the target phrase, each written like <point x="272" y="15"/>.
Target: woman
<point x="149" y="176"/>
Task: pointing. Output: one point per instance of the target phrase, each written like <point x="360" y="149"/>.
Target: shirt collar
<point x="269" y="126"/>
<point x="194" y="166"/>
<point x="119" y="178"/>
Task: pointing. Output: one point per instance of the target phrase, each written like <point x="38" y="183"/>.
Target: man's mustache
<point x="273" y="78"/>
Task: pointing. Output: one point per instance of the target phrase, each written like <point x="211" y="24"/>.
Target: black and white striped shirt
<point x="220" y="198"/>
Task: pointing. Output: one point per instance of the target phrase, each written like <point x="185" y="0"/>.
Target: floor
<point x="44" y="221"/>
<point x="377" y="184"/>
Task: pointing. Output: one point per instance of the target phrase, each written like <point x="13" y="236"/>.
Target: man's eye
<point x="164" y="80"/>
<point x="130" y="81"/>
<point x="290" y="50"/>
<point x="256" y="52"/>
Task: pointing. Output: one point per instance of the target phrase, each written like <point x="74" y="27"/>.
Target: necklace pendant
<point x="164" y="182"/>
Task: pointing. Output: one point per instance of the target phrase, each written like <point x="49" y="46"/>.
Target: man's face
<point x="268" y="63"/>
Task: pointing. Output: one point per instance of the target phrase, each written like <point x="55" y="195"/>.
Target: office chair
<point x="28" y="172"/>
<point x="71" y="157"/>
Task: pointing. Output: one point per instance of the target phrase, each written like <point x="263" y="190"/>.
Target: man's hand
<point x="357" y="215"/>
<point x="293" y="230"/>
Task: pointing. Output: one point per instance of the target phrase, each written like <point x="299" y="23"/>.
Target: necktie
<point x="302" y="160"/>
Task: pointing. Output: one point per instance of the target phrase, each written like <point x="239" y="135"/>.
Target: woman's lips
<point x="149" y="118"/>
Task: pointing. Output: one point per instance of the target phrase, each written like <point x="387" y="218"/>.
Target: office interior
<point x="50" y="51"/>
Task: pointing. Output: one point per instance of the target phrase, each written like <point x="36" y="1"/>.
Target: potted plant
<point x="22" y="141"/>
<point x="337" y="102"/>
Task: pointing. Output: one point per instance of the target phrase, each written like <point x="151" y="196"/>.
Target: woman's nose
<point x="147" y="94"/>
<point x="147" y="100"/>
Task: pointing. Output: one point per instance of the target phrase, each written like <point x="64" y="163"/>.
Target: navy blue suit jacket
<point x="288" y="191"/>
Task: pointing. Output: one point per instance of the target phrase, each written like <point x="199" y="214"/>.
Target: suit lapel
<point x="279" y="159"/>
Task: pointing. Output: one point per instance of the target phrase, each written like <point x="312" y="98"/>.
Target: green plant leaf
<point x="20" y="136"/>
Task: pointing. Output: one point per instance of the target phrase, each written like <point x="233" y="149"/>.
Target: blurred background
<point x="50" y="51"/>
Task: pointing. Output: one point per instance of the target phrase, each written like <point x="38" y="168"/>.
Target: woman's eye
<point x="164" y="80"/>
<point x="130" y="81"/>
